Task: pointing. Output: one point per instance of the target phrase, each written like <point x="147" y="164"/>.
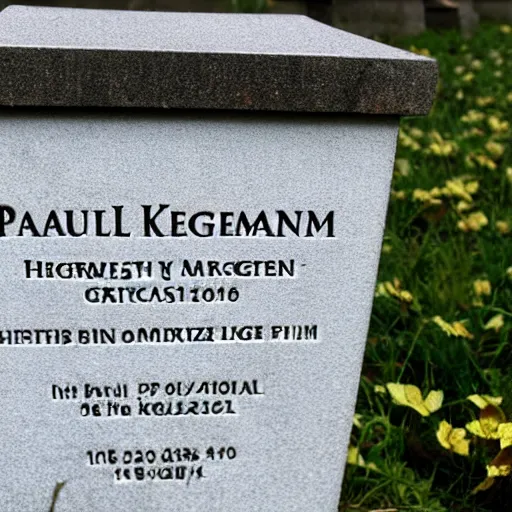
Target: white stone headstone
<point x="186" y="277"/>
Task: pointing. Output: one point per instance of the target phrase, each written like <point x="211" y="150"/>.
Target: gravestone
<point x="495" y="10"/>
<point x="375" y="17"/>
<point x="448" y="14"/>
<point x="191" y="215"/>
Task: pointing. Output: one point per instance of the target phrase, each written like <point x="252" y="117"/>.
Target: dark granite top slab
<point x="98" y="58"/>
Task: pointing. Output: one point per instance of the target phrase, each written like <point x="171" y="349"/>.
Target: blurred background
<point x="365" y="17"/>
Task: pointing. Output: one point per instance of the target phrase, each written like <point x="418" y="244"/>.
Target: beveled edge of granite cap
<point x="63" y="57"/>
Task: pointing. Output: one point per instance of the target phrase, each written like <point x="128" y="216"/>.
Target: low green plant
<point x="442" y="316"/>
<point x="55" y="496"/>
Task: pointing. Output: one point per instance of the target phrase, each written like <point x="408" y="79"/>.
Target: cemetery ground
<point x="433" y="429"/>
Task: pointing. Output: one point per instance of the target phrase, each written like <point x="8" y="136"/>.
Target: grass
<point x="449" y="214"/>
<point x="56" y="492"/>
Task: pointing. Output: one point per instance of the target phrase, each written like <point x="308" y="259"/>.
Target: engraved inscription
<point x="172" y="399"/>
<point x="171" y="464"/>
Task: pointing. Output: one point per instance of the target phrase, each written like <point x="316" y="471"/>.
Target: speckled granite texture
<point x="292" y="441"/>
<point x="92" y="58"/>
